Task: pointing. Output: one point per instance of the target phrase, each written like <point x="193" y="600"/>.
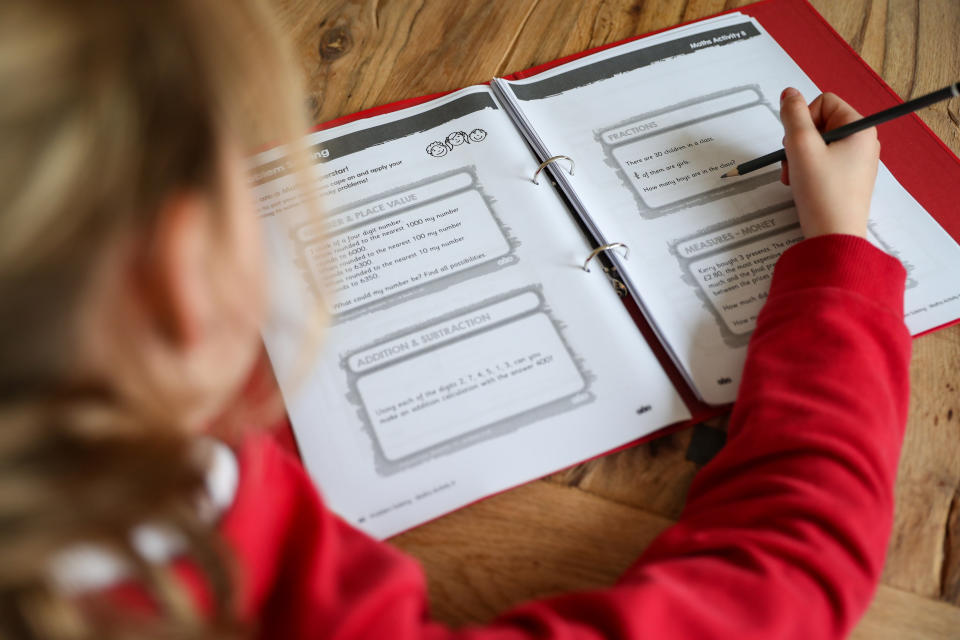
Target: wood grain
<point x="580" y="528"/>
<point x="902" y="615"/>
<point x="924" y="556"/>
<point x="387" y="51"/>
<point x="517" y="546"/>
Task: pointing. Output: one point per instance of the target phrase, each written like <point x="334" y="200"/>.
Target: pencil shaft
<point x="761" y="162"/>
<point x="854" y="127"/>
<point x="889" y="114"/>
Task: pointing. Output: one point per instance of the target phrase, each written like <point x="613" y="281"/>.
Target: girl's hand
<point x="832" y="185"/>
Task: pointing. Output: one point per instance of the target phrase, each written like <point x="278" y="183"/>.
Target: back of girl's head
<point x="108" y="107"/>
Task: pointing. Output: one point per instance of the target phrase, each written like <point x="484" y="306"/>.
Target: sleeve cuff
<point x="842" y="262"/>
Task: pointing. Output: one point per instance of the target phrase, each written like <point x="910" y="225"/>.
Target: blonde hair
<point x="108" y="107"/>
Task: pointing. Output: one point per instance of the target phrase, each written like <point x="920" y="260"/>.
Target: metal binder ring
<point x="548" y="161"/>
<point x="601" y="249"/>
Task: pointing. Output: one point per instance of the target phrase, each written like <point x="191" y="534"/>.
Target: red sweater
<point x="783" y="535"/>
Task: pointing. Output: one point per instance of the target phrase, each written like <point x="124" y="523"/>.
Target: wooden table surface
<point x="580" y="528"/>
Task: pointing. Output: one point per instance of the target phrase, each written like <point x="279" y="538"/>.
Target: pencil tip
<point x="729" y="174"/>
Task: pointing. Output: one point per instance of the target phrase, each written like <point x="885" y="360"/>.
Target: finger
<point x="816" y="112"/>
<point x="836" y="112"/>
<point x="784" y="173"/>
<point x="795" y="115"/>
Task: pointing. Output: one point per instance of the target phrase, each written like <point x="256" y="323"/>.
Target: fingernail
<point x="789" y="92"/>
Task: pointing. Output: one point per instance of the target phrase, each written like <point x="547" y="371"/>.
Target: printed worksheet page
<point x="651" y="126"/>
<point x="464" y="351"/>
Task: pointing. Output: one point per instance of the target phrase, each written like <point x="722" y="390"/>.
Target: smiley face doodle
<point x="457" y="138"/>
<point x="437" y="149"/>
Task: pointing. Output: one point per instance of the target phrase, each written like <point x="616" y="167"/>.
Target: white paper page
<point x="468" y="352"/>
<point x="652" y="125"/>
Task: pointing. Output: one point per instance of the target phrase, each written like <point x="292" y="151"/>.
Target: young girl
<point x="131" y="288"/>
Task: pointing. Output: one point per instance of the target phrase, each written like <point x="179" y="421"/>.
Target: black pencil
<point x="910" y="106"/>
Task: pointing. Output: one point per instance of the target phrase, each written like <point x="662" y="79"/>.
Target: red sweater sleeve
<point x="783" y="535"/>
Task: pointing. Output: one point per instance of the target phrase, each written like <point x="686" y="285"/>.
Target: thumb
<point x="795" y="115"/>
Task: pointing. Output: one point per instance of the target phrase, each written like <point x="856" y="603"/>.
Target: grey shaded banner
<point x="605" y="69"/>
<point x="373" y="136"/>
